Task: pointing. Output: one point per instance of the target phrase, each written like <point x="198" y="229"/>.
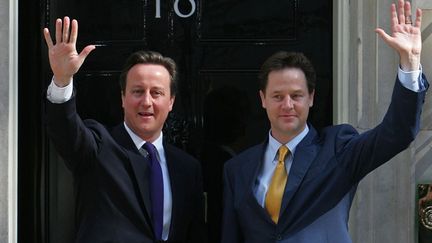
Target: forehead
<point x="286" y="78"/>
<point x="148" y="73"/>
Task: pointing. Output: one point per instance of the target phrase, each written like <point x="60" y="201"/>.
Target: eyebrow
<point x="153" y="87"/>
<point x="297" y="91"/>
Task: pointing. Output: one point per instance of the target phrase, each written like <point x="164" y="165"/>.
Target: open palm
<point x="406" y="36"/>
<point x="63" y="56"/>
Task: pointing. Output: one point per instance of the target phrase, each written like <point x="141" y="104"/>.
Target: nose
<point x="288" y="103"/>
<point x="146" y="99"/>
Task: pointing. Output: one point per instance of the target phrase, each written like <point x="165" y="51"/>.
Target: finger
<point x="394" y="17"/>
<point x="418" y="18"/>
<point x="74" y="32"/>
<point x="383" y="35"/>
<point x="86" y="51"/>
<point x="47" y="38"/>
<point x="401" y="12"/>
<point x="58" y="31"/>
<point x="407" y="10"/>
<point x="66" y="23"/>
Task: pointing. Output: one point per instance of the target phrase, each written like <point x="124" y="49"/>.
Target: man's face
<point x="147" y="100"/>
<point x="287" y="102"/>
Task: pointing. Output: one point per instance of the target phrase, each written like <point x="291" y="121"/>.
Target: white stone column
<point x="8" y="120"/>
<point x="384" y="209"/>
<point x="4" y="115"/>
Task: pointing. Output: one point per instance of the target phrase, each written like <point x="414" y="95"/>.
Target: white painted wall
<point x="8" y="119"/>
<point x="4" y="117"/>
<point x="384" y="208"/>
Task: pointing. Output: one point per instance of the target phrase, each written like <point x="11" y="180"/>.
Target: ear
<point x="123" y="98"/>
<point x="172" y="99"/>
<point x="311" y="98"/>
<point x="262" y="95"/>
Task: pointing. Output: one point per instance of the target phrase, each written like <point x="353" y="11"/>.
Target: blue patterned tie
<point x="156" y="190"/>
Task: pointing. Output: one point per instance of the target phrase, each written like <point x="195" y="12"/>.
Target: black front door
<point x="218" y="45"/>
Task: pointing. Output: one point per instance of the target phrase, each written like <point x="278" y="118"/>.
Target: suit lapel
<point x="250" y="171"/>
<point x="304" y="155"/>
<point x="251" y="168"/>
<point x="139" y="166"/>
<point x="176" y="171"/>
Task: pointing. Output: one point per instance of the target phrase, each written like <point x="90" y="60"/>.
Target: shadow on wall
<point x="226" y="112"/>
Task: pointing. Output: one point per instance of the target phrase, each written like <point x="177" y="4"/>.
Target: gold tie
<point x="276" y="189"/>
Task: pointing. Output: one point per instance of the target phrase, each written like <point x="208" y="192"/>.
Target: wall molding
<point x="341" y="44"/>
<point x="13" y="124"/>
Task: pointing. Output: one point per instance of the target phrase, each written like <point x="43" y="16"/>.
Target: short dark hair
<point x="281" y="60"/>
<point x="150" y="57"/>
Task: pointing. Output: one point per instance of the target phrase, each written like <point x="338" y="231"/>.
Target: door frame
<point x="340" y="95"/>
<point x="12" y="165"/>
<point x="341" y="43"/>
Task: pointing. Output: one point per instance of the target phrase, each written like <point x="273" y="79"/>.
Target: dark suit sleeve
<point x="70" y="136"/>
<point x="230" y="226"/>
<point x="399" y="127"/>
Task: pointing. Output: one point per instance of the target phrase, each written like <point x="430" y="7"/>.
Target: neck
<point x="146" y="136"/>
<point x="286" y="137"/>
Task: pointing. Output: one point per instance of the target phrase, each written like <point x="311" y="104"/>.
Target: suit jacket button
<point x="279" y="237"/>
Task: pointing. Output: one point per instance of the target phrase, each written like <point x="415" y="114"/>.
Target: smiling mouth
<point x="145" y="114"/>
<point x="287" y="116"/>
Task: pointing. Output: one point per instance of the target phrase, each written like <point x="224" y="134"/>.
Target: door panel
<point x="252" y="20"/>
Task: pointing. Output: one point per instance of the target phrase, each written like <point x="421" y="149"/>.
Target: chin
<point x="145" y="128"/>
<point x="290" y="126"/>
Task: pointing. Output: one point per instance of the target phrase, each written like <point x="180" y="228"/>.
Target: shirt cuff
<point x="412" y="79"/>
<point x="58" y="95"/>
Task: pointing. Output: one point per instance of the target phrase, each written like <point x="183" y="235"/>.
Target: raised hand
<point x="63" y="56"/>
<point x="406" y="35"/>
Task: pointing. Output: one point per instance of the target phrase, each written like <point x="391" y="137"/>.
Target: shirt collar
<point x="139" y="142"/>
<point x="274" y="145"/>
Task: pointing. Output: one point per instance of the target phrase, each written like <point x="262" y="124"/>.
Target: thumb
<point x="383" y="35"/>
<point x="86" y="51"/>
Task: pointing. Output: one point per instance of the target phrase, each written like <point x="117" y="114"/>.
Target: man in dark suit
<point x="297" y="187"/>
<point x="130" y="185"/>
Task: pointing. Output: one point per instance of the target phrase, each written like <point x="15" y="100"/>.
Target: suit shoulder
<point x="180" y="155"/>
<point x="339" y="127"/>
<point x="337" y="137"/>
<point x="98" y="129"/>
<point x="340" y="131"/>
<point x="90" y="123"/>
<point x="253" y="152"/>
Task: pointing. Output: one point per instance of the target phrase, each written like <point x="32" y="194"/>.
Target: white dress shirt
<point x="263" y="180"/>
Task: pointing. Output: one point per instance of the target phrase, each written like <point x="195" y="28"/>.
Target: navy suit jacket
<point x="322" y="181"/>
<point x="111" y="182"/>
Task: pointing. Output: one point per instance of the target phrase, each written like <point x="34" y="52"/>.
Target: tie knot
<point x="283" y="151"/>
<point x="151" y="149"/>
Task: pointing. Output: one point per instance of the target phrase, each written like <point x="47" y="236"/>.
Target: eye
<point x="157" y="93"/>
<point x="297" y="96"/>
<point x="137" y="91"/>
<point x="277" y="97"/>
